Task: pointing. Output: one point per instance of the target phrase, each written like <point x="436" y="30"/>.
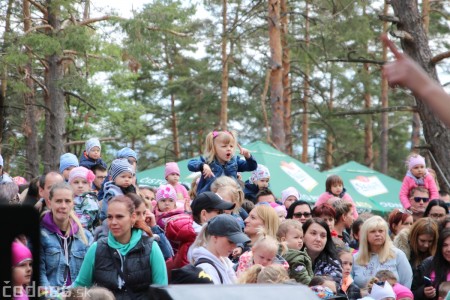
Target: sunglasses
<point x="424" y="199"/>
<point x="380" y="283"/>
<point x="300" y="214"/>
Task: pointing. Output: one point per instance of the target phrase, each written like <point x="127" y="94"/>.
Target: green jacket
<point x="300" y="266"/>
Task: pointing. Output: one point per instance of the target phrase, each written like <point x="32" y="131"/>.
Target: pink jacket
<point x="182" y="195"/>
<point x="409" y="183"/>
<point x="326" y="196"/>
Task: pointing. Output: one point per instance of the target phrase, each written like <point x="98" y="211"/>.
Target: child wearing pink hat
<point x="172" y="176"/>
<point x="289" y="196"/>
<point x="166" y="207"/>
<point x="417" y="175"/>
<point x="22" y="269"/>
<point x="85" y="201"/>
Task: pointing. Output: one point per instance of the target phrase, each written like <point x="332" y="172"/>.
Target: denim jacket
<point x="53" y="262"/>
<point x="231" y="168"/>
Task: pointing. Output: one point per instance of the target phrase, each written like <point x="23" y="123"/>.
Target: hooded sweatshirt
<point x="223" y="264"/>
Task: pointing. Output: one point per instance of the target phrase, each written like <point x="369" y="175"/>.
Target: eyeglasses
<point x="424" y="199"/>
<point x="300" y="214"/>
<point x="101" y="177"/>
<point x="437" y="216"/>
<point x="405" y="211"/>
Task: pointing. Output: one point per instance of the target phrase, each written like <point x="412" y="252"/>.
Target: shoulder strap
<point x="205" y="260"/>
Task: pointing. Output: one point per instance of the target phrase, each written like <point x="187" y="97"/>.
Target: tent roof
<point x="371" y="190"/>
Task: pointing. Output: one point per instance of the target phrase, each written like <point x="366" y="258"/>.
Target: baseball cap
<point x="227" y="226"/>
<point x="209" y="200"/>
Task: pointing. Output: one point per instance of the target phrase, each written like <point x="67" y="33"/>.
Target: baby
<point x="172" y="175"/>
<point x="91" y="156"/>
<point x="259" y="180"/>
<point x="166" y="207"/>
<point x="67" y="162"/>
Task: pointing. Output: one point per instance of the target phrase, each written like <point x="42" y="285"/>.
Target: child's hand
<point x="236" y="252"/>
<point x="150" y="218"/>
<point x="187" y="205"/>
<point x="207" y="171"/>
<point x="244" y="152"/>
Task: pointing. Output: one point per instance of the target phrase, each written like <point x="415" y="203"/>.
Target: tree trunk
<point x="263" y="106"/>
<point x="86" y="11"/>
<point x="224" y="94"/>
<point x="330" y="136"/>
<point x="276" y="76"/>
<point x="176" y="142"/>
<point x="435" y="132"/>
<point x="55" y="119"/>
<point x="368" y="131"/>
<point x="286" y="60"/>
<point x="30" y="128"/>
<point x="384" y="139"/>
<point x="5" y="72"/>
<point x="305" y="122"/>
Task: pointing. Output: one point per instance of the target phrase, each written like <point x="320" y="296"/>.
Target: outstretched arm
<point x="403" y="71"/>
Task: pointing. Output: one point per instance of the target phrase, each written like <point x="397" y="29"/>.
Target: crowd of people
<point x="102" y="234"/>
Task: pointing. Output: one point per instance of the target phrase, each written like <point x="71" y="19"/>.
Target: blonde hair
<point x="386" y="252"/>
<point x="193" y="191"/>
<point x="226" y="137"/>
<point x="265" y="241"/>
<point x="258" y="274"/>
<point x="269" y="217"/>
<point x="229" y="185"/>
<point x="72" y="215"/>
<point x="284" y="228"/>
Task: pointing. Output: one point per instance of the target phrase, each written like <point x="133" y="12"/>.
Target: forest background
<point x="302" y="75"/>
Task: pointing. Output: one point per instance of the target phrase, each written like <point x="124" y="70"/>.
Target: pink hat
<point x="416" y="160"/>
<point x="81" y="172"/>
<point x="166" y="191"/>
<point x="20" y="253"/>
<point x="171" y="168"/>
<point x="402" y="291"/>
<point x="290" y="191"/>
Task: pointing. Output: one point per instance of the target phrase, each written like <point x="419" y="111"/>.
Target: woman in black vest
<point x="126" y="262"/>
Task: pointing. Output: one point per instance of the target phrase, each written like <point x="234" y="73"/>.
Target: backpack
<point x="193" y="274"/>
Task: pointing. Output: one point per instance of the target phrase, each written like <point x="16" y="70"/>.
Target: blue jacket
<point x="250" y="191"/>
<point x="89" y="163"/>
<point x="53" y="265"/>
<point x="231" y="168"/>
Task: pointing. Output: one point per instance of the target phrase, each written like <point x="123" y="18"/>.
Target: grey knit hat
<point x="119" y="166"/>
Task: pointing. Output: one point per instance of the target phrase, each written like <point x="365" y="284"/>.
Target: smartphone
<point x="427" y="281"/>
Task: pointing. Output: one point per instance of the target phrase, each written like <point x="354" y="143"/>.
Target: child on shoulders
<point x="334" y="186"/>
<point x="219" y="159"/>
<point x="172" y="176"/>
<point x="258" y="181"/>
<point x="92" y="155"/>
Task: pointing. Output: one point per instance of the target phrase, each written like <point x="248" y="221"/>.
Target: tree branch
<point x="402" y="35"/>
<point x="82" y="142"/>
<point x="67" y="93"/>
<point x="39" y="27"/>
<point x="359" y="59"/>
<point x="93" y="20"/>
<point x="439" y="57"/>
<point x="389" y="18"/>
<point x="181" y="34"/>
<point x="38" y="82"/>
<point x="376" y="110"/>
<point x="39" y="6"/>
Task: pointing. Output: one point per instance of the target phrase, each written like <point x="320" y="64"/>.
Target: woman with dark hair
<point x="321" y="249"/>
<point x="300" y="211"/>
<point x="437" y="210"/>
<point x="399" y="219"/>
<point x="437" y="268"/>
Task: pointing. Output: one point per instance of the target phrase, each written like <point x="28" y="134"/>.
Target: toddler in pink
<point x="417" y="175"/>
<point x="334" y="187"/>
<point x="172" y="176"/>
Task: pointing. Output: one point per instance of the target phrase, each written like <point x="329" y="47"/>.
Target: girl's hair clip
<point x="216" y="133"/>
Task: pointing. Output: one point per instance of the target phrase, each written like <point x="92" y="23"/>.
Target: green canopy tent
<point x="285" y="172"/>
<point x="372" y="191"/>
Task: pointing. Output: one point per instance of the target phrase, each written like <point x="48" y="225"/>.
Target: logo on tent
<point x="300" y="176"/>
<point x="368" y="186"/>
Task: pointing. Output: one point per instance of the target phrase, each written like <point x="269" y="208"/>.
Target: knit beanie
<point x="119" y="166"/>
<point x="402" y="291"/>
<point x="91" y="143"/>
<point x="290" y="191"/>
<point x="20" y="253"/>
<point x="260" y="173"/>
<point x="415" y="160"/>
<point x="1" y="160"/>
<point x="67" y="160"/>
<point x="171" y="168"/>
<point x="166" y="191"/>
<point x="126" y="152"/>
<point x="81" y="172"/>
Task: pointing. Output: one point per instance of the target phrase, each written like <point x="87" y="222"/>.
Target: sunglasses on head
<point x="300" y="214"/>
<point x="404" y="211"/>
<point x="424" y="199"/>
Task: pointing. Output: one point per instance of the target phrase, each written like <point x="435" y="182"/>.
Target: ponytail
<point x="144" y="227"/>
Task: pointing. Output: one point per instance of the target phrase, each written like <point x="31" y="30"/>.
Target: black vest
<point x="136" y="269"/>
